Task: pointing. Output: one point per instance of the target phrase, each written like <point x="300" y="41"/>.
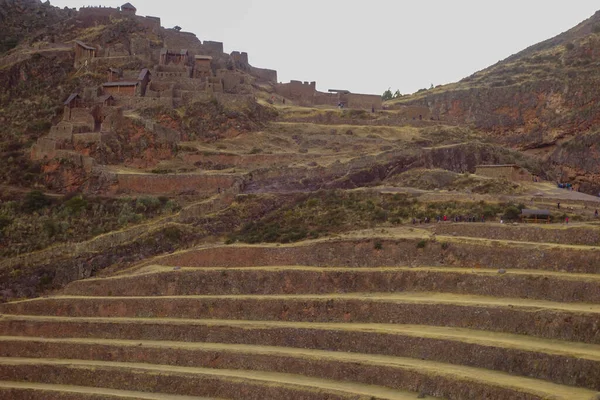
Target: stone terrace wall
<point x="145" y="102"/>
<point x="585" y="236"/>
<point x="173" y="184"/>
<point x="403" y="252"/>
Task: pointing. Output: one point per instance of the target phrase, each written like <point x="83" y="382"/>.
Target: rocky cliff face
<point x="533" y="98"/>
<point x="543" y="99"/>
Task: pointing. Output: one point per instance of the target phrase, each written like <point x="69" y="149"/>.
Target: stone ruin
<point x="306" y="94"/>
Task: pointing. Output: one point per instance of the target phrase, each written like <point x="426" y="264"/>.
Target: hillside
<point x="175" y="223"/>
<point x="541" y="100"/>
<point x="86" y="162"/>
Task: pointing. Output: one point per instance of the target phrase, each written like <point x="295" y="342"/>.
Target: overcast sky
<point x="366" y="46"/>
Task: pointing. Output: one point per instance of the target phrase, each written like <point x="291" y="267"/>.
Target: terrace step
<point x="196" y="381"/>
<point x="565" y="321"/>
<point x="559" y="362"/>
<point x="168" y="281"/>
<point x="568" y="235"/>
<point x="397" y="252"/>
<point x="29" y="391"/>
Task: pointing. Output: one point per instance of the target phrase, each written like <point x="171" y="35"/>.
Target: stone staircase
<point x="329" y="319"/>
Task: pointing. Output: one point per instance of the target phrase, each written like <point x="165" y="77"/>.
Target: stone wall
<point x="82" y="138"/>
<point x="509" y="172"/>
<point x="44" y="147"/>
<point x="145" y="102"/>
<point x="80" y="160"/>
<point x="414" y="112"/>
<point x="364" y="101"/>
<point x="107" y="62"/>
<point x="584" y="236"/>
<point x="62" y="131"/>
<point x="264" y="75"/>
<point x="181" y="40"/>
<point x="213" y="47"/>
<point x="173" y="184"/>
<point x="297" y="90"/>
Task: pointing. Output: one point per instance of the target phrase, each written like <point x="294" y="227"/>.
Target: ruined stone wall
<point x="150" y="23"/>
<point x="45" y="147"/>
<point x="63" y="130"/>
<point x="240" y="57"/>
<point x="107" y="62"/>
<point x="331" y="99"/>
<point x="185" y="83"/>
<point x="145" y="102"/>
<point x="264" y="75"/>
<point x="364" y="101"/>
<point x="414" y="112"/>
<point x="232" y="79"/>
<point x="98" y="12"/>
<point x="297" y="90"/>
<point x="213" y="47"/>
<point x="173" y="74"/>
<point x="507" y="173"/>
<point x="162" y="133"/>
<point x="181" y="40"/>
<point x="83" y="138"/>
<point x="120" y="91"/>
<point x="233" y="100"/>
<point x="195" y="96"/>
<point x="80" y="160"/>
<point x="173" y="184"/>
<point x="81" y="116"/>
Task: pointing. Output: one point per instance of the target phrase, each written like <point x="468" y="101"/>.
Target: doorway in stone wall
<point x="98" y="118"/>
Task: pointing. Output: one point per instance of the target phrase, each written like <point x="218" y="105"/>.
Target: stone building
<point x="128" y="8"/>
<point x="83" y="53"/>
<point x="202" y="67"/>
<point x="510" y="172"/>
<point x="180" y="57"/>
<point x="114" y="75"/>
<point x="306" y="94"/>
<point x="121" y="88"/>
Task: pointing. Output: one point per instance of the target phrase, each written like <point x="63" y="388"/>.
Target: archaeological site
<point x="177" y="223"/>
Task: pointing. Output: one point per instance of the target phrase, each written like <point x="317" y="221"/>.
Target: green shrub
<point x="569" y="46"/>
<point x="255" y="150"/>
<point x="378" y="245"/>
<point x="146" y="204"/>
<point x="34" y="201"/>
<point x="76" y="204"/>
<point x="422" y="244"/>
<point x="4" y="222"/>
<point x="511" y="213"/>
<point x="51" y="228"/>
<point x="172" y="233"/>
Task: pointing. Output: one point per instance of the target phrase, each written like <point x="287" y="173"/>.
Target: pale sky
<point x="366" y="46"/>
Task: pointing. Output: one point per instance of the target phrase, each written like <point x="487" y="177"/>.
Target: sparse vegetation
<point x="327" y="212"/>
<point x="40" y="221"/>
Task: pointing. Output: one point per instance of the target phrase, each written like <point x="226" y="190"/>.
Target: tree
<point x="177" y="28"/>
<point x="397" y="94"/>
<point x="387" y="95"/>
